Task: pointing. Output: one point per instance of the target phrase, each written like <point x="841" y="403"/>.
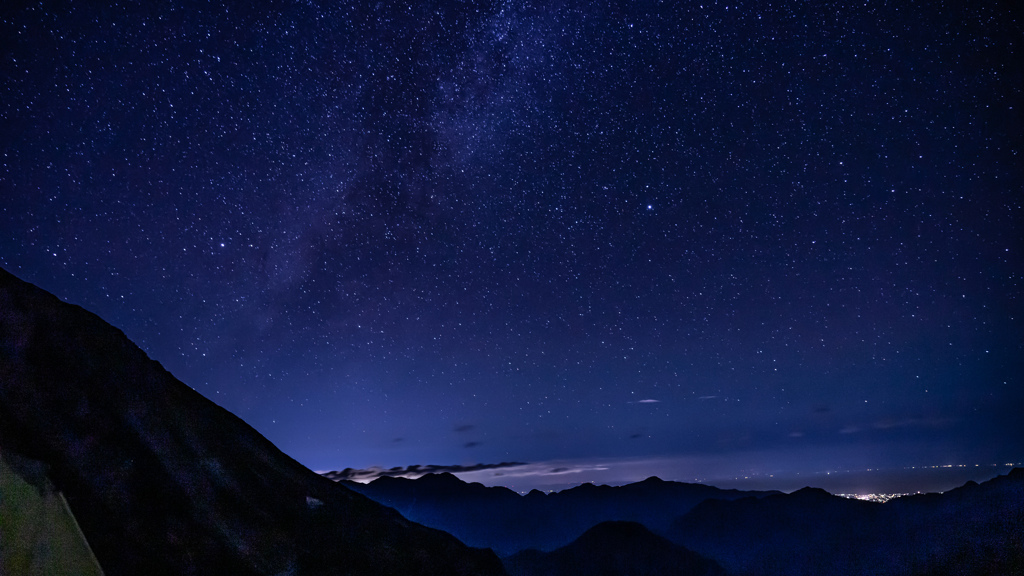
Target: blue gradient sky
<point x="725" y="235"/>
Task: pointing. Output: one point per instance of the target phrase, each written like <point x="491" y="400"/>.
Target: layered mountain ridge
<point x="507" y="522"/>
<point x="976" y="529"/>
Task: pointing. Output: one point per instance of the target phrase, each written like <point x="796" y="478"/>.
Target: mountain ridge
<point x="508" y="522"/>
<point x="163" y="481"/>
<point x="973" y="529"/>
<point x="612" y="548"/>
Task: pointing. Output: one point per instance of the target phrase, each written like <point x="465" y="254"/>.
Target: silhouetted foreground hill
<point x="498" y="518"/>
<point x="975" y="529"/>
<point x="163" y="481"/>
<point x="614" y="549"/>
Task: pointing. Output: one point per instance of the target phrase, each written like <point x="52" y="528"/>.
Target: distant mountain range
<point x="162" y="481"/>
<point x="977" y="529"/>
<point x="507" y="522"/>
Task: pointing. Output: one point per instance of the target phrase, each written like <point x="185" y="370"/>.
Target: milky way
<point x="456" y="233"/>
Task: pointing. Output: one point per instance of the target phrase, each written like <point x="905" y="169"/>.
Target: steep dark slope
<point x="163" y="481"/>
<point x="975" y="529"/>
<point x="614" y="549"/>
<point x="807" y="532"/>
<point x="500" y="519"/>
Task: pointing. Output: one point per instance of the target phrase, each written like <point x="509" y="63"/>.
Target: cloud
<point x="542" y="469"/>
<point x="706" y="397"/>
<point x="891" y="423"/>
<point x="908" y="422"/>
<point x="414" y="471"/>
<point x="646" y="401"/>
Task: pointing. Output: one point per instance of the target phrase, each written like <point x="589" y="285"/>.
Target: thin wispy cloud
<point x="414" y="471"/>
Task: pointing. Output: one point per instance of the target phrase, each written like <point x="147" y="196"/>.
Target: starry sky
<point x="729" y="238"/>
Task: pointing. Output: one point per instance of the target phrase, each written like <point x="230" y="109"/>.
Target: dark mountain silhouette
<point x="163" y="481"/>
<point x="614" y="549"/>
<point x="507" y="522"/>
<point x="975" y="529"/>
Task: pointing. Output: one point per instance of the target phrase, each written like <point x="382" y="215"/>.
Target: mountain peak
<point x="615" y="544"/>
<point x="445" y="477"/>
<point x="809" y="492"/>
<point x="617" y="530"/>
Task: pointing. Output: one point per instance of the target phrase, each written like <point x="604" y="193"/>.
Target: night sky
<point x="703" y="240"/>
